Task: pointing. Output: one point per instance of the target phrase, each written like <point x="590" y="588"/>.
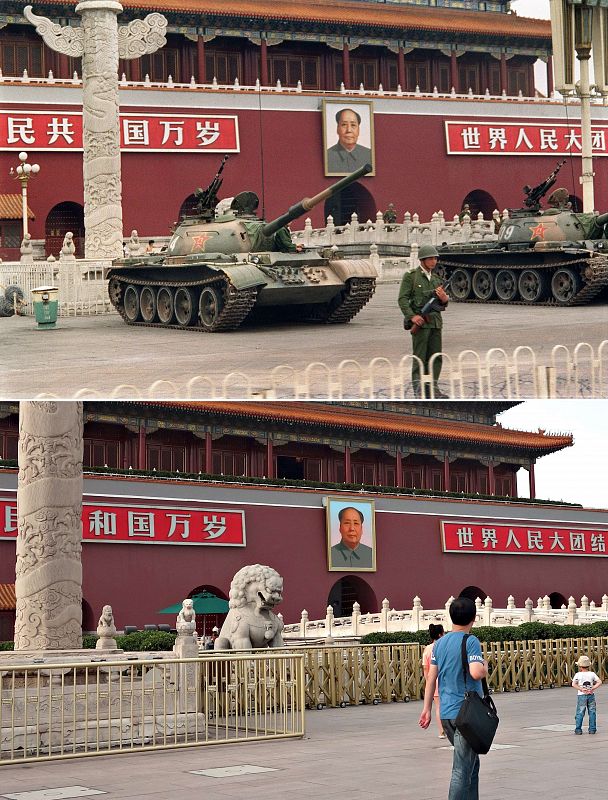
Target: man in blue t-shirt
<point x="446" y="664"/>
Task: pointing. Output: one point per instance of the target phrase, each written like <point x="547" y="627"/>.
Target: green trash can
<point x="45" y="306"/>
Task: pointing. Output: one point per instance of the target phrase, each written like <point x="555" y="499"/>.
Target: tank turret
<point x="239" y="230"/>
<point x="220" y="266"/>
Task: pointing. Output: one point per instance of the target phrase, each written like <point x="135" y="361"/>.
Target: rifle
<point x="433" y="304"/>
<point x="207" y="198"/>
<point x="535" y="193"/>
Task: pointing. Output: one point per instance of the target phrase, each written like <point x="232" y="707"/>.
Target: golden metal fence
<point x="341" y="676"/>
<point x="50" y="711"/>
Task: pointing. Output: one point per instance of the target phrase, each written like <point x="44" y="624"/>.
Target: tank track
<point x="237" y="302"/>
<point x="596" y="277"/>
<point x="359" y="291"/>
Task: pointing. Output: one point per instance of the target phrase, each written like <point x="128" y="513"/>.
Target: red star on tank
<point x="538" y="231"/>
<point x="198" y="242"/>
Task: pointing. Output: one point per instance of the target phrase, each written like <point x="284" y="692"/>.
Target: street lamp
<point x="22" y="173"/>
<point x="572" y="29"/>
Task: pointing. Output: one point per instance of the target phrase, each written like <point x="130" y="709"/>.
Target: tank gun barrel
<point x="310" y="202"/>
<point x="536" y="193"/>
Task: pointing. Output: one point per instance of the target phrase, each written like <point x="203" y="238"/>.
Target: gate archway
<point x="355" y="198"/>
<point x="557" y="600"/>
<point x="188" y="207"/>
<point x="62" y="218"/>
<point x="473" y="592"/>
<point x="206" y="622"/>
<point x="348" y="590"/>
<point x="480" y="200"/>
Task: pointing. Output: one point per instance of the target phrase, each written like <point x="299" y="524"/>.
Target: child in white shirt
<point x="586" y="682"/>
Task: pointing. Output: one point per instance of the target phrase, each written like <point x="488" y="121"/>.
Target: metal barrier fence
<point x="341" y="676"/>
<point x="564" y="373"/>
<point x="83" y="290"/>
<point x="54" y="711"/>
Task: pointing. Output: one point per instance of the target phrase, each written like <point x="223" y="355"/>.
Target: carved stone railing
<point x="388" y="620"/>
<point x="411" y="231"/>
<point x="235" y="86"/>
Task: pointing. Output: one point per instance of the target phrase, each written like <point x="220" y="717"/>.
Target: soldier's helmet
<point x="427" y="251"/>
<point x="558" y="198"/>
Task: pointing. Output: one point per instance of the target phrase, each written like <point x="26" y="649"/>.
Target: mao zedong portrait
<point x="347" y="155"/>
<point x="349" y="553"/>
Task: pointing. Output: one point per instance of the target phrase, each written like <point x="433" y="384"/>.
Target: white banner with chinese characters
<point x="516" y="138"/>
<point x="152" y="133"/>
<point x="530" y="540"/>
<point x="132" y="521"/>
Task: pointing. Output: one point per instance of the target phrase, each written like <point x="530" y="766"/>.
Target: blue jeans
<point x="465" y="767"/>
<point x="585" y="701"/>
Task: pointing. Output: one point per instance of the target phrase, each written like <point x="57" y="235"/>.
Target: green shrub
<point x="145" y="641"/>
<point x="528" y="631"/>
<point x="399" y="637"/>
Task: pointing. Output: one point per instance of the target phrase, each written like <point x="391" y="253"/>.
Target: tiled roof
<point x="10" y="207"/>
<point x="8" y="601"/>
<point x="400" y="426"/>
<point x="356" y="13"/>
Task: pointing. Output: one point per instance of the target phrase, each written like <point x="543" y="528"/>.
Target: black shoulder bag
<point x="477" y="719"/>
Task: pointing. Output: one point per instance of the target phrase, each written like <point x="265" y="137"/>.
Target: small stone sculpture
<point x="106" y="630"/>
<point x="186" y="642"/>
<point x="255" y="590"/>
<point x="68" y="249"/>
<point x="27" y="248"/>
<point x="134" y="246"/>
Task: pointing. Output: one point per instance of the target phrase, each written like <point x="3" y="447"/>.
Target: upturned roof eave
<point x="365" y="15"/>
<point x="416" y="429"/>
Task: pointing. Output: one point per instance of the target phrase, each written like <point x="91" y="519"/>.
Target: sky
<point x="578" y="474"/>
<point x="539" y="9"/>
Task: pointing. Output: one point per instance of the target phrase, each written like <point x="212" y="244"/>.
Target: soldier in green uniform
<point x="417" y="287"/>
<point x="283" y="242"/>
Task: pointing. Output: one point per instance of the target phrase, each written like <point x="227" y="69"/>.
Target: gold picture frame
<point x="348" y="138"/>
<point x="351" y="534"/>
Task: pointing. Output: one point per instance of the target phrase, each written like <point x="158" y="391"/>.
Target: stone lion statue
<point x="106" y="630"/>
<point x="185" y="624"/>
<point x="134" y="246"/>
<point x="106" y="625"/>
<point x="68" y="248"/>
<point x="255" y="590"/>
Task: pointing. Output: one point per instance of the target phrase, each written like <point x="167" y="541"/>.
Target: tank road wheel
<point x="184" y="306"/>
<point x="483" y="284"/>
<point x="460" y="286"/>
<point x="164" y="305"/>
<point x="115" y="292"/>
<point x="506" y="285"/>
<point x="210" y="305"/>
<point x="131" y="303"/>
<point x="147" y="304"/>
<point x="565" y="284"/>
<point x="532" y="285"/>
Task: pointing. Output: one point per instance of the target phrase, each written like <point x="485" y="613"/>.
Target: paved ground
<point x="102" y="352"/>
<point x="355" y="753"/>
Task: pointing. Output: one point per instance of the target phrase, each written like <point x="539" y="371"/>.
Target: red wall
<point x="138" y="580"/>
<point x="412" y="170"/>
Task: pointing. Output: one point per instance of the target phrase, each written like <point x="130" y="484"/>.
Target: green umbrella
<point x="204" y="603"/>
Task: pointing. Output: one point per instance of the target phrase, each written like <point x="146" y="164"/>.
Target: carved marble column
<point x="101" y="42"/>
<point x="49" y="510"/>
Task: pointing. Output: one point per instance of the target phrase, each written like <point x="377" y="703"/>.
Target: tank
<point x="551" y="256"/>
<point x="224" y="264"/>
